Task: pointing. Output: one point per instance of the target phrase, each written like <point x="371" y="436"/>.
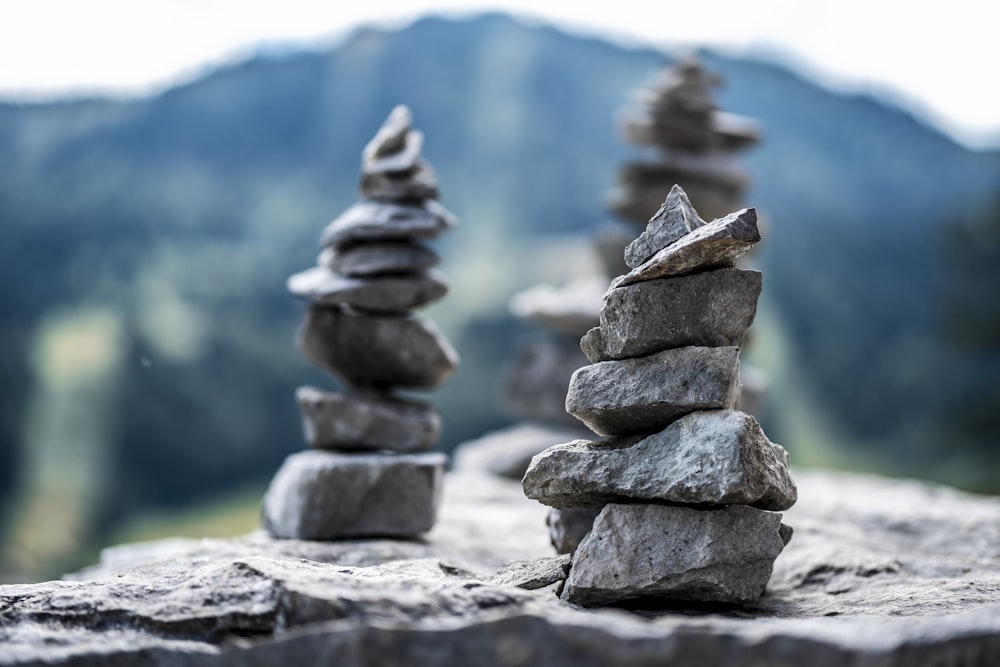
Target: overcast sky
<point x="938" y="59"/>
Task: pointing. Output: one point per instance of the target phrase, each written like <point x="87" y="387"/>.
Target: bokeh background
<point x="147" y="363"/>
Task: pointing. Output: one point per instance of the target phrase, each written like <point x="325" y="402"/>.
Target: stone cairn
<point x="684" y="488"/>
<point x="369" y="472"/>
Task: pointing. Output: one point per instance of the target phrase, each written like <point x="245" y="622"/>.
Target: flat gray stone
<point x="396" y="146"/>
<point x="415" y="185"/>
<point x="386" y="221"/>
<point x="508" y="452"/>
<point x="537" y="378"/>
<point x="568" y="527"/>
<point x="318" y="495"/>
<point x="709" y="457"/>
<point x="674" y="219"/>
<point x="378" y="258"/>
<point x="644" y="394"/>
<point x="675" y="553"/>
<point x="377" y="352"/>
<point x="533" y="574"/>
<point x="709" y="309"/>
<point x="881" y="573"/>
<point x="571" y="309"/>
<point x="374" y="294"/>
<point x="716" y="244"/>
<point x="367" y="422"/>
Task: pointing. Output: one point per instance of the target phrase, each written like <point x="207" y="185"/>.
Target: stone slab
<point x="571" y="309"/>
<point x="375" y="258"/>
<point x="373" y="294"/>
<point x="645" y="394"/>
<point x="881" y="573"/>
<point x="710" y="309"/>
<point x="508" y="451"/>
<point x="318" y="495"/>
<point x="367" y="422"/>
<point x="722" y="556"/>
<point x="714" y="245"/>
<point x="708" y="457"/>
<point x="385" y="221"/>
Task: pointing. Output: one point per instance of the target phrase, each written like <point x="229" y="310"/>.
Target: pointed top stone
<point x="395" y="147"/>
<point x="674" y="219"/>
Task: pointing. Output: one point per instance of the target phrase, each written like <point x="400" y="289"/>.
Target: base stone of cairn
<point x="682" y="501"/>
<point x="370" y="474"/>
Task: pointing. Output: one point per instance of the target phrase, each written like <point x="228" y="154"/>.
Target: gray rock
<point x="533" y="574"/>
<point x="378" y="352"/>
<point x="571" y="309"/>
<point x="881" y="573"/>
<point x="415" y="185"/>
<point x="395" y="147"/>
<point x="318" y="495"/>
<point x="674" y="219"/>
<point x="712" y="457"/>
<point x="384" y="221"/>
<point x="393" y="294"/>
<point x="365" y="422"/>
<point x="675" y="553"/>
<point x="508" y="452"/>
<point x="375" y="258"/>
<point x="716" y="244"/>
<point x="568" y="527"/>
<point x="644" y="394"/>
<point x="537" y="378"/>
<point x="710" y="309"/>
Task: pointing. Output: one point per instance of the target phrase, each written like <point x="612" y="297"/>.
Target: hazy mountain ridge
<point x="182" y="214"/>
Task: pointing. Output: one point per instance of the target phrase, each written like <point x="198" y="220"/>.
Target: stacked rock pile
<point x="685" y="488"/>
<point x="369" y="472"/>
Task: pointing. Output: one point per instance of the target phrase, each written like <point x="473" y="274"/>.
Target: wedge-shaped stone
<point x="365" y="422"/>
<point x="644" y="394"/>
<point x="675" y="553"/>
<point x="709" y="457"/>
<point x="675" y="218"/>
<point x="373" y="294"/>
<point x="415" y="185"/>
<point x="395" y="147"/>
<point x="375" y="258"/>
<point x="318" y="495"/>
<point x="378" y="352"/>
<point x="716" y="244"/>
<point x="384" y="221"/>
<point x="711" y="309"/>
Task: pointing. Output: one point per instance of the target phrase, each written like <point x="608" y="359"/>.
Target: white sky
<point x="938" y="59"/>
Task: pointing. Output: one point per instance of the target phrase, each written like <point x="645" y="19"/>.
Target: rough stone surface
<point x="533" y="574"/>
<point x="318" y="495"/>
<point x="711" y="309"/>
<point x="383" y="221"/>
<point x="709" y="457"/>
<point x="372" y="293"/>
<point x="716" y="244"/>
<point x="644" y="394"/>
<point x="415" y="185"/>
<point x="674" y="219"/>
<point x="571" y="309"/>
<point x="675" y="553"/>
<point x="537" y="379"/>
<point x="881" y="573"/>
<point x="374" y="258"/>
<point x="509" y="451"/>
<point x="367" y="421"/>
<point x="396" y="146"/>
<point x="568" y="527"/>
<point x="379" y="352"/>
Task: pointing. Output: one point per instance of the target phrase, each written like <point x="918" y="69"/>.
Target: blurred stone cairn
<point x="683" y="493"/>
<point x="368" y="472"/>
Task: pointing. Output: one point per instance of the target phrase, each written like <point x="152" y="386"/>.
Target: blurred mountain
<point x="145" y="244"/>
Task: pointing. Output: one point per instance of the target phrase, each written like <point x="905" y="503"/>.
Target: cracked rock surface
<point x="881" y="572"/>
